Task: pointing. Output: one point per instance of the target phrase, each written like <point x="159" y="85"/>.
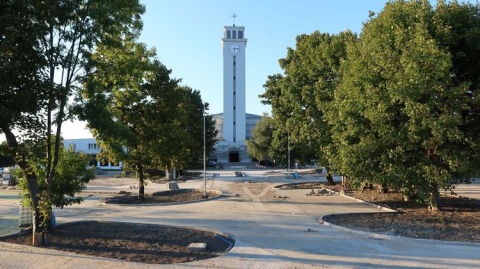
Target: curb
<point x="364" y="233"/>
<point x="219" y="195"/>
<point x="220" y="235"/>
<point x="391" y="237"/>
<point x="344" y="195"/>
<point x="302" y="182"/>
<point x="368" y="203"/>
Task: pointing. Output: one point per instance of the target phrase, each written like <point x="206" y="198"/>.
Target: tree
<point x="186" y="132"/>
<point x="49" y="43"/>
<point x="140" y="115"/>
<point x="397" y="107"/>
<point x="5" y="158"/>
<point x="181" y="145"/>
<point x="260" y="145"/>
<point x="71" y="176"/>
<point x="398" y="113"/>
<point x="121" y="96"/>
<point x="302" y="96"/>
<point x="21" y="80"/>
<point x="457" y="30"/>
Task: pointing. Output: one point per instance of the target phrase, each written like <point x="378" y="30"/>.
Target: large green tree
<point x="260" y="145"/>
<point x="399" y="117"/>
<point x="23" y="85"/>
<point x="301" y="97"/>
<point x="397" y="106"/>
<point x="71" y="176"/>
<point x="45" y="46"/>
<point x="456" y="28"/>
<point x="139" y="114"/>
<point x="123" y="104"/>
<point x="185" y="140"/>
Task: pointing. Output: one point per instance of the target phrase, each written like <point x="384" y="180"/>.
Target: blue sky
<point x="187" y="34"/>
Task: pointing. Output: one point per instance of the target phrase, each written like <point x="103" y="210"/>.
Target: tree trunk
<point x="329" y="177"/>
<point x="40" y="234"/>
<point x="434" y="200"/>
<point x="33" y="190"/>
<point x="141" y="183"/>
<point x="345" y="184"/>
<point x="167" y="174"/>
<point x="383" y="188"/>
<point x="409" y="194"/>
<point x="41" y="239"/>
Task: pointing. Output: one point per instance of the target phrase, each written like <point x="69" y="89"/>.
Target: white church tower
<point x="234" y="125"/>
<point x="234" y="44"/>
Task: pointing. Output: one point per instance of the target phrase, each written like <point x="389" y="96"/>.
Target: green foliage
<point x="397" y="106"/>
<point x="121" y="103"/>
<point x="44" y="53"/>
<point x="398" y="117"/>
<point x="140" y="115"/>
<point x="301" y="98"/>
<point x="22" y="84"/>
<point x="71" y="176"/>
<point x="260" y="145"/>
<point x="5" y="158"/>
<point x="181" y="143"/>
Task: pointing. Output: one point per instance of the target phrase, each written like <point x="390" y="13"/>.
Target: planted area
<point x="135" y="242"/>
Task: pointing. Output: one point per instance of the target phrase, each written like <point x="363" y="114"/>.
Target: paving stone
<point x="197" y="246"/>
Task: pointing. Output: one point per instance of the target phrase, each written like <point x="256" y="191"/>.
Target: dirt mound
<point x="136" y="242"/>
<point x="170" y="196"/>
<point x="459" y="219"/>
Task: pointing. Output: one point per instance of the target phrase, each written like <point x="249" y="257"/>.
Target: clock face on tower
<point x="234" y="49"/>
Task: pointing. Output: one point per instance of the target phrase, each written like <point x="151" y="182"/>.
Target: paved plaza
<point x="270" y="232"/>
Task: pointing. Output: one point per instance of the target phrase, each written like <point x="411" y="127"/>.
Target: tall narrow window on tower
<point x="234" y="97"/>
<point x="228" y="34"/>
<point x="234" y="34"/>
<point x="240" y="34"/>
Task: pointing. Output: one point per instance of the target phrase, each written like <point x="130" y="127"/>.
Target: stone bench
<point x="172" y="185"/>
<point x="237" y="168"/>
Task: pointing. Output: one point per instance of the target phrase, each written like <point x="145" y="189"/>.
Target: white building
<point x="234" y="125"/>
<point x="89" y="146"/>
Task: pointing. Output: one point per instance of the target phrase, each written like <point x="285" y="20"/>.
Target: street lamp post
<point x="205" y="195"/>
<point x="288" y="149"/>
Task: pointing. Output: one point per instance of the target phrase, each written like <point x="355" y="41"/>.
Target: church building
<point x="234" y="125"/>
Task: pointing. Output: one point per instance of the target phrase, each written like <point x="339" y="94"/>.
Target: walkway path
<point x="270" y="232"/>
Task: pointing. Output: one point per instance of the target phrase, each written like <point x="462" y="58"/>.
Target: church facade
<point x="234" y="125"/>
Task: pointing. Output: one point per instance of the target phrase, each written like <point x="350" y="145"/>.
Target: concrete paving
<point x="469" y="190"/>
<point x="270" y="232"/>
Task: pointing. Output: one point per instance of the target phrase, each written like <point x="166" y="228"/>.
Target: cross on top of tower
<point x="234" y="16"/>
